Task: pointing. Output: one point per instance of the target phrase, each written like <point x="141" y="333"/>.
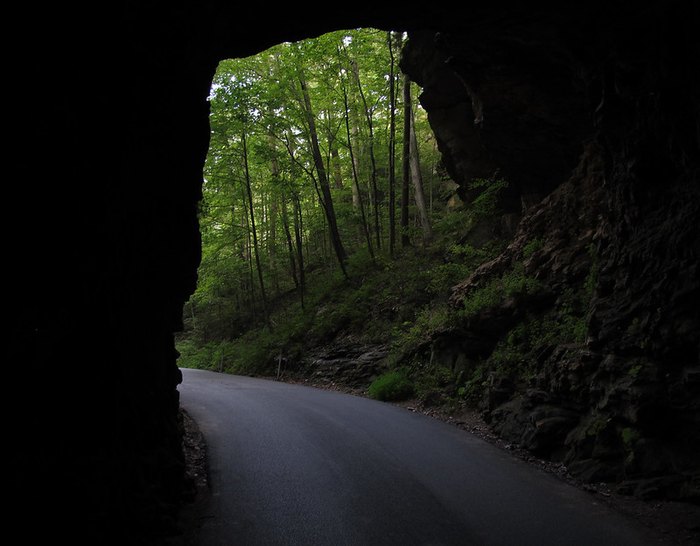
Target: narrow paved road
<point x="293" y="465"/>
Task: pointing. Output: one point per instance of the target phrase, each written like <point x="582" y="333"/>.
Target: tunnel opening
<point x="520" y="290"/>
<point x="589" y="113"/>
<point x="304" y="190"/>
<point x="511" y="327"/>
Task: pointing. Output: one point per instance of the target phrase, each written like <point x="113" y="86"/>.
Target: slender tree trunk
<point x="356" y="192"/>
<point x="272" y="240"/>
<point x="406" y="166"/>
<point x="266" y="311"/>
<point x="356" y="143"/>
<point x="272" y="231"/>
<point x="290" y="244"/>
<point x="248" y="256"/>
<point x="192" y="314"/>
<point x="373" y="163"/>
<point x="306" y="236"/>
<point x="293" y="254"/>
<point x="298" y="230"/>
<point x="418" y="193"/>
<point x="323" y="178"/>
<point x="334" y="156"/>
<point x="356" y="186"/>
<point x="335" y="161"/>
<point x="392" y="146"/>
<point x="322" y="235"/>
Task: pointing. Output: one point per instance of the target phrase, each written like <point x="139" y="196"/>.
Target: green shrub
<point x="485" y="205"/>
<point x="443" y="276"/>
<point x="512" y="283"/>
<point x="474" y="387"/>
<point x="253" y="353"/>
<point x="431" y="380"/>
<point x="394" y="385"/>
<point x="451" y="223"/>
<point x="214" y="355"/>
<point x="532" y="246"/>
<point x="469" y="254"/>
<point x="412" y="335"/>
<point x="192" y="355"/>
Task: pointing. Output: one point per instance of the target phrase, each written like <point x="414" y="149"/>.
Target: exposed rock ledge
<point x="599" y="139"/>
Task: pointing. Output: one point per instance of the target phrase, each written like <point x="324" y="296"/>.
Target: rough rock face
<point x="345" y="362"/>
<point x="623" y="404"/>
<point x="107" y="127"/>
<point x="104" y="254"/>
<point x="508" y="102"/>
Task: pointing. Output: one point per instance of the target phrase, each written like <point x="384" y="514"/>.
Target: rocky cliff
<point x="594" y="122"/>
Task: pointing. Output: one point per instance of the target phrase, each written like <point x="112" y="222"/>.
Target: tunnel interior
<point x="592" y="111"/>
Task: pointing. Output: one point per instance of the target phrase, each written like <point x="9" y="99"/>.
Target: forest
<point x="330" y="227"/>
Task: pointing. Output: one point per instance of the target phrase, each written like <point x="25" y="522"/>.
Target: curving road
<point x="293" y="465"/>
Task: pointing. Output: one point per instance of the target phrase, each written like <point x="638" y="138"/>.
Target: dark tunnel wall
<point x="108" y="131"/>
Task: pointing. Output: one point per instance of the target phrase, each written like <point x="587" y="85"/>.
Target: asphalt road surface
<point x="294" y="465"/>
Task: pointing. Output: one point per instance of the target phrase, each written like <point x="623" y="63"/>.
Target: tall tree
<point x="373" y="163"/>
<point x="406" y="160"/>
<point x="353" y="163"/>
<point x="327" y="201"/>
<point x="298" y="230"/>
<point x="417" y="177"/>
<point x="335" y="162"/>
<point x="256" y="249"/>
<point x="392" y="145"/>
<point x="273" y="206"/>
<point x="290" y="244"/>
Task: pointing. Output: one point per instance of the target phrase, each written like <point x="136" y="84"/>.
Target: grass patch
<point x="391" y="386"/>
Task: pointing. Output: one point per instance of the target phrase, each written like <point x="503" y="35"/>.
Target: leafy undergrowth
<point x="391" y="386"/>
<point x="399" y="303"/>
<point x="396" y="302"/>
<point x="403" y="304"/>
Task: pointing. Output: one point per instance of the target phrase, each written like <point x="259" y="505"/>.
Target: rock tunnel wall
<point x="597" y="113"/>
<point x="109" y="129"/>
<point x="108" y="132"/>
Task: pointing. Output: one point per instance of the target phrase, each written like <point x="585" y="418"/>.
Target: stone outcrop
<point x="605" y="129"/>
<point x="344" y="362"/>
